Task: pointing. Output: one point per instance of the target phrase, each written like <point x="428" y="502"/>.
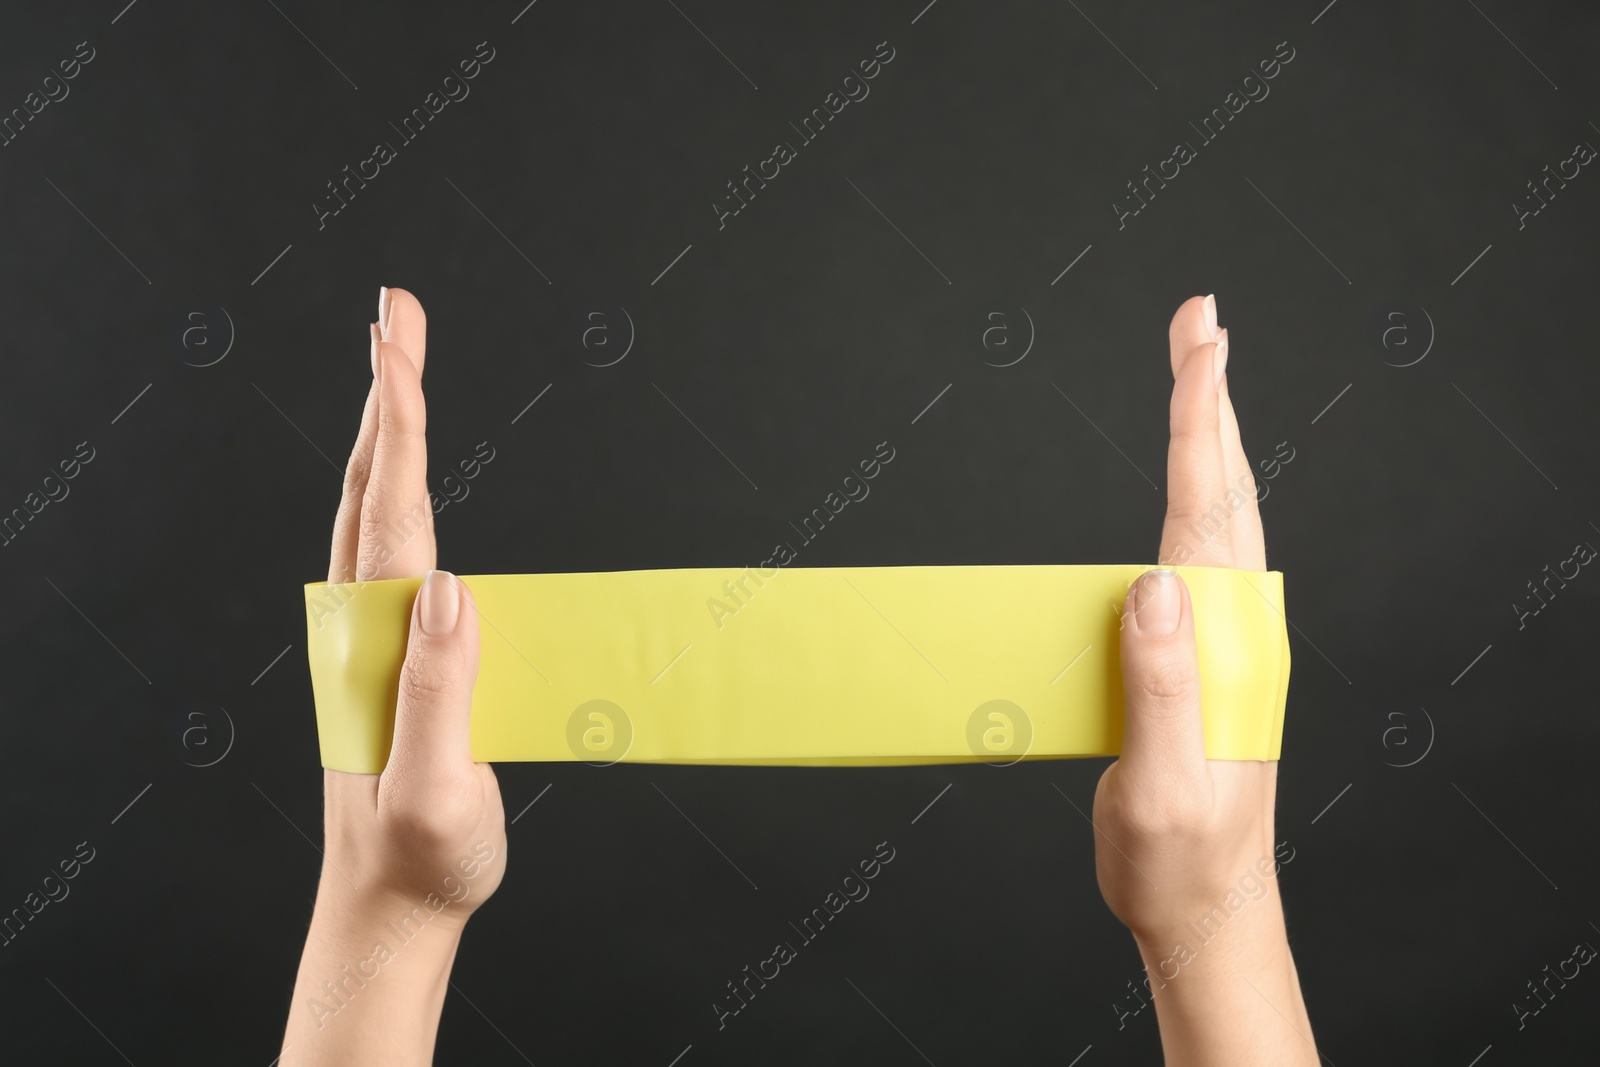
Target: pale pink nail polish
<point x="1220" y="360"/>
<point x="384" y="303"/>
<point x="441" y="604"/>
<point x="1159" y="603"/>
<point x="1210" y="308"/>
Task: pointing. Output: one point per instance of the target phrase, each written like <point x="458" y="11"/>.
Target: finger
<point x="401" y="320"/>
<point x="347" y="521"/>
<point x="432" y="736"/>
<point x="396" y="527"/>
<point x="1200" y="508"/>
<point x="1249" y="543"/>
<point x="1193" y="324"/>
<point x="1249" y="551"/>
<point x="1162" y="736"/>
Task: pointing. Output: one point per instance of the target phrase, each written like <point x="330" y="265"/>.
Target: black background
<point x="1415" y="511"/>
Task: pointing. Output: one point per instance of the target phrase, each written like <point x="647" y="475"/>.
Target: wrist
<point x="1229" y="996"/>
<point x="378" y="935"/>
<point x="373" y="975"/>
<point x="360" y="924"/>
<point x="1248" y="938"/>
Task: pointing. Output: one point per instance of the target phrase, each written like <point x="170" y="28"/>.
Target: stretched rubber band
<point x="823" y="666"/>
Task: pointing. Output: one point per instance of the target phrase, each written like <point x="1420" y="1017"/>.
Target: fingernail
<point x="374" y="328"/>
<point x="1158" y="604"/>
<point x="440" y="603"/>
<point x="383" y="312"/>
<point x="1220" y="360"/>
<point x="1210" y="306"/>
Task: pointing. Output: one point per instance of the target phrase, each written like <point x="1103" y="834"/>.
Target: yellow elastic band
<point x="823" y="666"/>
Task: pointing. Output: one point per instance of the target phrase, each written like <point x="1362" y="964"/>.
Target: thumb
<point x="431" y="734"/>
<point x="1162" y="735"/>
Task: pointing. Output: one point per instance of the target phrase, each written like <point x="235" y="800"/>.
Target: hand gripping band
<point x="822" y="666"/>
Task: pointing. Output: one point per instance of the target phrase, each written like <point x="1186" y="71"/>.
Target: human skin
<point x="1176" y="833"/>
<point x="1164" y="815"/>
<point x="420" y="846"/>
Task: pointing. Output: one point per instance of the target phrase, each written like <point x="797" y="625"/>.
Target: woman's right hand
<point x="1184" y="846"/>
<point x="411" y="852"/>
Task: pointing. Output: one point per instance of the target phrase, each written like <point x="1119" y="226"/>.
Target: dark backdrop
<point x="165" y="207"/>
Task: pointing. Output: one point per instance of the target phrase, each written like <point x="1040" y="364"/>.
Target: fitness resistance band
<point x="822" y="666"/>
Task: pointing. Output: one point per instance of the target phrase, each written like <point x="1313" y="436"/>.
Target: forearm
<point x="371" y="983"/>
<point x="1230" y="997"/>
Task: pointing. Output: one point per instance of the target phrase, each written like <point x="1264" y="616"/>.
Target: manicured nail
<point x="1157" y="606"/>
<point x="383" y="312"/>
<point x="1210" y="307"/>
<point x="440" y="603"/>
<point x="374" y="329"/>
<point x="1220" y="359"/>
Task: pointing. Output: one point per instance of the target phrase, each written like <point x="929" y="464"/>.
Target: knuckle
<point x="410" y="428"/>
<point x="356" y="471"/>
<point x="386" y="529"/>
<point x="385" y="513"/>
<point x="1209" y="520"/>
<point x="430" y="684"/>
<point x="424" y="823"/>
<point x="1166" y="816"/>
<point x="371" y="522"/>
<point x="431" y="675"/>
<point x="1169" y="684"/>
